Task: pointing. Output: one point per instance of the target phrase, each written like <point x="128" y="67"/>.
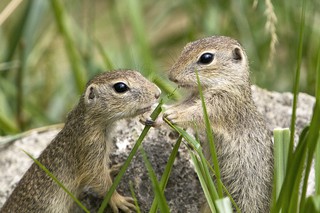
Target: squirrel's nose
<point x="171" y="78"/>
<point x="157" y="95"/>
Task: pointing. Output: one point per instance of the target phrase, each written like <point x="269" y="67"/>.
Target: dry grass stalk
<point x="271" y="29"/>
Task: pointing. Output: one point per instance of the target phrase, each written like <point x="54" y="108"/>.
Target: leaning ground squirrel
<point x="243" y="144"/>
<point x="79" y="155"/>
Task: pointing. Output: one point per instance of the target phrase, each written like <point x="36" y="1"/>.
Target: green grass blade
<point x="159" y="194"/>
<point x="165" y="86"/>
<point x="293" y="206"/>
<point x="285" y="149"/>
<point x="33" y="18"/>
<point x="166" y="173"/>
<point x="278" y="172"/>
<point x="225" y="190"/>
<point x="9" y="65"/>
<point x="210" y="140"/>
<point x="293" y="175"/>
<point x="192" y="142"/>
<point x="201" y="177"/>
<point x="297" y="78"/>
<point x="317" y="168"/>
<point x="317" y="154"/>
<point x="133" y="194"/>
<point x="312" y="204"/>
<point x="57" y="182"/>
<point x="289" y="195"/>
<point x="224" y="205"/>
<point x="317" y="89"/>
<point x="17" y="33"/>
<point x="303" y="195"/>
<point x="231" y="199"/>
<point x="202" y="168"/>
<point x="312" y="139"/>
<point x="281" y="144"/>
<point x="126" y="164"/>
<point x="7" y="125"/>
<point x="74" y="58"/>
<point x="208" y="178"/>
<point x="137" y="22"/>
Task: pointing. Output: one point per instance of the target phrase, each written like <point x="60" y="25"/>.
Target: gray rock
<point x="183" y="191"/>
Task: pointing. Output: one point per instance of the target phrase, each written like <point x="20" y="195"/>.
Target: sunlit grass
<point x="49" y="49"/>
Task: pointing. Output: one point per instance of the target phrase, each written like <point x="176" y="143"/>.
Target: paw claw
<point x="150" y="122"/>
<point x="171" y="116"/>
<point x="124" y="203"/>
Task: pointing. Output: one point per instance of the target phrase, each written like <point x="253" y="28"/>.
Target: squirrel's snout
<point x="158" y="93"/>
<point x="173" y="79"/>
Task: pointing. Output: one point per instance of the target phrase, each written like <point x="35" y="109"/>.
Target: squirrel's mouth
<point x="185" y="86"/>
<point x="143" y="110"/>
<point x="188" y="87"/>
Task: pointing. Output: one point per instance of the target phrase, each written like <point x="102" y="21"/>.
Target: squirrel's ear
<point x="91" y="94"/>
<point x="237" y="54"/>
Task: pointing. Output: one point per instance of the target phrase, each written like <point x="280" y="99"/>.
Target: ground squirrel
<point x="79" y="155"/>
<point x="243" y="143"/>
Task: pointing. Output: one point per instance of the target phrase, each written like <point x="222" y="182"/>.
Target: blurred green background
<point x="50" y="48"/>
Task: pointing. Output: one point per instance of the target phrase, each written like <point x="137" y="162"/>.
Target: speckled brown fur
<point x="243" y="143"/>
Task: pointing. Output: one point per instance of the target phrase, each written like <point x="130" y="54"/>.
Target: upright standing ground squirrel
<point x="243" y="143"/>
<point x="79" y="155"/>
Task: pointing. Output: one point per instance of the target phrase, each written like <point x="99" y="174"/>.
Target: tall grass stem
<point x="126" y="164"/>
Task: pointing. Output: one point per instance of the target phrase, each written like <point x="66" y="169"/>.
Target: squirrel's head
<point x="220" y="62"/>
<point x="119" y="94"/>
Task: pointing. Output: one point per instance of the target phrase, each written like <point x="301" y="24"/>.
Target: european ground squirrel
<point x="79" y="155"/>
<point x="243" y="143"/>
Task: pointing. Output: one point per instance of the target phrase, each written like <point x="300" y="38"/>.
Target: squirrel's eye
<point x="120" y="87"/>
<point x="206" y="58"/>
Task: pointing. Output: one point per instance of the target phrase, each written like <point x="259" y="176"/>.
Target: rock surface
<point x="183" y="191"/>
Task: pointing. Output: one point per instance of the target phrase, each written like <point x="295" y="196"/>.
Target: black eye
<point x="206" y="58"/>
<point x="120" y="87"/>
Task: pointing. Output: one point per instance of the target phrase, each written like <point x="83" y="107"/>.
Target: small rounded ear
<point x="91" y="94"/>
<point x="237" y="54"/>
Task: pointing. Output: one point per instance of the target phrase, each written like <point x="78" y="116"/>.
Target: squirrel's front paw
<point x="146" y="120"/>
<point x="118" y="201"/>
<point x="171" y="115"/>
